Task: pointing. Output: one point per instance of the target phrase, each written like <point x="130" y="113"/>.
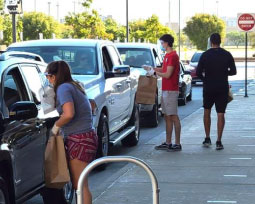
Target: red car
<point x="193" y="66"/>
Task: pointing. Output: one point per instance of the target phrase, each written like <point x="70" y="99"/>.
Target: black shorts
<point x="220" y="99"/>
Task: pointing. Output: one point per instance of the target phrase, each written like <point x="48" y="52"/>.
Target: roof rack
<point x="27" y="55"/>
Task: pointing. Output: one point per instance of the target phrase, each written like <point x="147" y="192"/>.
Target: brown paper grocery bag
<point x="56" y="169"/>
<point x="146" y="91"/>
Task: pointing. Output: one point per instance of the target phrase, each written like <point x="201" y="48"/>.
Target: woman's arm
<point x="67" y="115"/>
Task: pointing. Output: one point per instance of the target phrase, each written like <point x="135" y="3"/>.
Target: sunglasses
<point x="47" y="74"/>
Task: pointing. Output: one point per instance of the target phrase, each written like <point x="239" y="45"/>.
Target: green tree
<point x="36" y="22"/>
<point x="251" y="37"/>
<point x="111" y="27"/>
<point x="137" y="30"/>
<point x="150" y="29"/>
<point x="201" y="26"/>
<point x="1" y="5"/>
<point x="235" y="38"/>
<point x="7" y="29"/>
<point x="87" y="25"/>
<point x="87" y="3"/>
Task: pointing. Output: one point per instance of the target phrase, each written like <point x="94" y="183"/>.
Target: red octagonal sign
<point x="246" y="22"/>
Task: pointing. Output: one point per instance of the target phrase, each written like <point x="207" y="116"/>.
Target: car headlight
<point x="93" y="107"/>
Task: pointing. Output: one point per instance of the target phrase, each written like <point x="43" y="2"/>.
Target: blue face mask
<point x="162" y="48"/>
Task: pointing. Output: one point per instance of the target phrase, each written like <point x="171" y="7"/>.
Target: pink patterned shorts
<point x="82" y="146"/>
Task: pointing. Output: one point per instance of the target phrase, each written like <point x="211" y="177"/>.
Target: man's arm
<point x="200" y="69"/>
<point x="167" y="74"/>
<point x="232" y="66"/>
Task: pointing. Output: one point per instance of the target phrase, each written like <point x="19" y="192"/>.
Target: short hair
<point x="168" y="39"/>
<point x="215" y="39"/>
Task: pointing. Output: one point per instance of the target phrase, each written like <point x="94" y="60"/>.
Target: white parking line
<point x="253" y="136"/>
<point x="221" y="201"/>
<point x="240" y="158"/>
<point x="246" y="145"/>
<point x="241" y="176"/>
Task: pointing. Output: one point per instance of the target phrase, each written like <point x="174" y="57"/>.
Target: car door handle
<point x="119" y="85"/>
<point x="128" y="81"/>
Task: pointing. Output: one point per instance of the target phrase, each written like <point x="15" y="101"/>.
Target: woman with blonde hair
<point x="75" y="122"/>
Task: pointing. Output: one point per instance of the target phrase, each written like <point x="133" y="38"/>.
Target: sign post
<point x="246" y="23"/>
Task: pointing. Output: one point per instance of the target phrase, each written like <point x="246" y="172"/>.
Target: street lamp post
<point x="217" y="3"/>
<point x="49" y="4"/>
<point x="127" y="26"/>
<point x="179" y="29"/>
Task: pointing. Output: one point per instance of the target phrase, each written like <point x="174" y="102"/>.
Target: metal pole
<point x="74" y="9"/>
<point x="246" y="74"/>
<point x="94" y="164"/>
<point x="58" y="11"/>
<point x="180" y="29"/>
<point x="127" y="26"/>
<point x="169" y="14"/>
<point x="35" y="5"/>
<point x="49" y="8"/>
<point x="14" y="38"/>
<point x="217" y="2"/>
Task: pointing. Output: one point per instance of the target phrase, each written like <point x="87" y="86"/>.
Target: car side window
<point x="14" y="88"/>
<point x="34" y="81"/>
<point x="108" y="65"/>
<point x="114" y="56"/>
<point x="157" y="58"/>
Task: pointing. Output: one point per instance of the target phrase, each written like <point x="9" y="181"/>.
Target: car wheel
<point x="4" y="197"/>
<point x="133" y="138"/>
<point x="103" y="139"/>
<point x="183" y="101"/>
<point x="152" y="120"/>
<point x="69" y="192"/>
<point x="189" y="98"/>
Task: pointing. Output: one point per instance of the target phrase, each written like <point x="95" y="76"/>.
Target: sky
<point x="141" y="9"/>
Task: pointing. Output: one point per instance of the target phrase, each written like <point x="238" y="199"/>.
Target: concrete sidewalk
<point x="197" y="175"/>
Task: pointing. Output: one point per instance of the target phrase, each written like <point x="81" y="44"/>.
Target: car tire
<point x="103" y="140"/>
<point x="133" y="138"/>
<point x="183" y="101"/>
<point x="69" y="192"/>
<point x="189" y="98"/>
<point x="4" y="196"/>
<point x="153" y="118"/>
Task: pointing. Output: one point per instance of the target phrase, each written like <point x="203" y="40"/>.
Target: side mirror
<point x="23" y="110"/>
<point x="118" y="71"/>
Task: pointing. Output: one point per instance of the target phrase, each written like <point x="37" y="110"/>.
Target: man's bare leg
<point x="207" y="122"/>
<point x="169" y="129"/>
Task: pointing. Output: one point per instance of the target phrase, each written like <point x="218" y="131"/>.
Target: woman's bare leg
<point x="76" y="168"/>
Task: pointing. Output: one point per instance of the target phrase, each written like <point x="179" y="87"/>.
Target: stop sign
<point x="246" y="22"/>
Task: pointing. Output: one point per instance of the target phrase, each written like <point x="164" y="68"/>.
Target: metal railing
<point x="104" y="160"/>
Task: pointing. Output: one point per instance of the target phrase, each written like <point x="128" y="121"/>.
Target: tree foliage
<point x="1" y="5"/>
<point x="150" y="29"/>
<point x="251" y="38"/>
<point x="86" y="25"/>
<point x="201" y="26"/>
<point x="6" y="27"/>
<point x="36" y="22"/>
<point x="235" y="38"/>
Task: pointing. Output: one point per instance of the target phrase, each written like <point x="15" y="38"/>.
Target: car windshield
<point x="136" y="57"/>
<point x="196" y="57"/>
<point x="82" y="60"/>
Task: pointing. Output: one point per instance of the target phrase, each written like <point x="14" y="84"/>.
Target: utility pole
<point x="74" y="9"/>
<point x="58" y="11"/>
<point x="34" y="5"/>
<point x="49" y="4"/>
<point x="203" y="6"/>
<point x="217" y="3"/>
<point x="127" y="26"/>
<point x="14" y="37"/>
<point x="169" y="14"/>
<point x="180" y="29"/>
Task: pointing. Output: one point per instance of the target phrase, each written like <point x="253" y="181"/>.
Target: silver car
<point x="110" y="85"/>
